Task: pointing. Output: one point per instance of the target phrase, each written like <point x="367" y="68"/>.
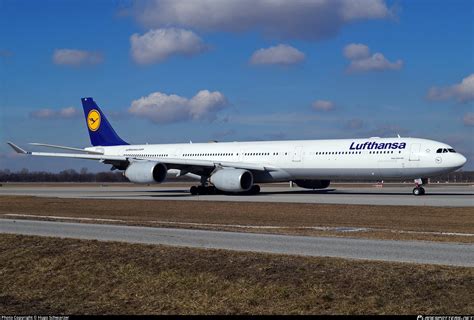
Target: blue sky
<point x="174" y="71"/>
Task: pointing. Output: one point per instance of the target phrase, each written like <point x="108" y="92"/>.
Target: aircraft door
<point x="415" y="152"/>
<point x="297" y="154"/>
<point x="175" y="153"/>
<point x="241" y="155"/>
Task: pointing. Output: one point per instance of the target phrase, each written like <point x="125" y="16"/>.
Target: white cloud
<point x="323" y="105"/>
<point x="362" y="61"/>
<point x="46" y="113"/>
<point x="162" y="108"/>
<point x="69" y="112"/>
<point x="205" y="104"/>
<point x="281" y="54"/>
<point x="309" y="19"/>
<point x="370" y="9"/>
<point x="42" y="114"/>
<point x="462" y="92"/>
<point x="469" y="119"/>
<point x="157" y="45"/>
<point x="356" y="51"/>
<point x="75" y="58"/>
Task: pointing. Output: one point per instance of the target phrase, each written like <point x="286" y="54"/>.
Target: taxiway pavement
<point x="384" y="250"/>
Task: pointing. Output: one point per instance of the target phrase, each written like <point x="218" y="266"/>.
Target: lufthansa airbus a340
<point x="238" y="167"/>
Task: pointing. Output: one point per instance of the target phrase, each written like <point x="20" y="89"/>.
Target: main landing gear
<point x="419" y="190"/>
<point x="202" y="190"/>
<point x="211" y="190"/>
<point x="254" y="190"/>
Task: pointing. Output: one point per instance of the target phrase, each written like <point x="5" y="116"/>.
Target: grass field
<point x="62" y="276"/>
<point x="384" y="222"/>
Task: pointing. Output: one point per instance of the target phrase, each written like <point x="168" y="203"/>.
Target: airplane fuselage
<point x="370" y="159"/>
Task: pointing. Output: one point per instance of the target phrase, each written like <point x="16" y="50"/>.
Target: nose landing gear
<point x="419" y="190"/>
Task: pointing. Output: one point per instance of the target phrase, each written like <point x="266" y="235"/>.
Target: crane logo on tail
<point x="93" y="120"/>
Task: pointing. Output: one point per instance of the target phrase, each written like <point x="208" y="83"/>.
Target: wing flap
<point x="78" y="156"/>
<point x="215" y="163"/>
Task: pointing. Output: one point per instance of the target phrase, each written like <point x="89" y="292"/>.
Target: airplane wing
<point x="64" y="148"/>
<point x="190" y="165"/>
<point x="66" y="155"/>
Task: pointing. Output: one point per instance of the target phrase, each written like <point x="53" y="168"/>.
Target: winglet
<point x="17" y="148"/>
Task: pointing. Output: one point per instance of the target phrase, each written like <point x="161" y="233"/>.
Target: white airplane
<point x="237" y="167"/>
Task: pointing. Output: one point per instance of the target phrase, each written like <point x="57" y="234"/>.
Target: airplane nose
<point x="461" y="160"/>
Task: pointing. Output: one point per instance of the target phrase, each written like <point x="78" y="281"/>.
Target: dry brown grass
<point x="63" y="276"/>
<point x="293" y="218"/>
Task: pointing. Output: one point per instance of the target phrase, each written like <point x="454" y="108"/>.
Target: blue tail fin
<point x="100" y="130"/>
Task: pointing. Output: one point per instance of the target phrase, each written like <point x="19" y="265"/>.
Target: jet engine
<point x="312" y="184"/>
<point x="146" y="172"/>
<point x="232" y="180"/>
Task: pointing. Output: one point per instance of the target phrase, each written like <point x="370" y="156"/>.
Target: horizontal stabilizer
<point x="16" y="148"/>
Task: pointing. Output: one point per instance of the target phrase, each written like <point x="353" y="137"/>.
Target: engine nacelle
<point x="232" y="180"/>
<point x="146" y="172"/>
<point x="312" y="184"/>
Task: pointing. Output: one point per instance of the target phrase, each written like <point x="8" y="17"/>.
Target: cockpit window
<point x="443" y="150"/>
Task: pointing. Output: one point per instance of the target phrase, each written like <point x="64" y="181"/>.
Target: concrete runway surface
<point x="437" y="195"/>
<point x="396" y="251"/>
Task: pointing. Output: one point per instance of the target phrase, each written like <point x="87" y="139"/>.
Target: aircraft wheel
<point x="422" y="190"/>
<point x="418" y="191"/>
<point x="201" y="190"/>
<point x="211" y="190"/>
<point x="193" y="190"/>
<point x="255" y="189"/>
